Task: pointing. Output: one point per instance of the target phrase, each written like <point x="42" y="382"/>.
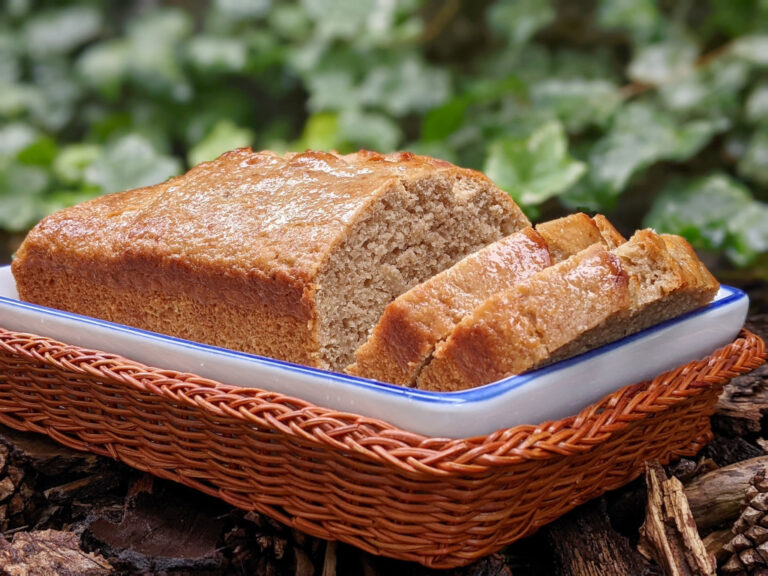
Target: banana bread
<point x="293" y="257"/>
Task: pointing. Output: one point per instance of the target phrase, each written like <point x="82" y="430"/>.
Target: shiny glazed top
<point x="244" y="212"/>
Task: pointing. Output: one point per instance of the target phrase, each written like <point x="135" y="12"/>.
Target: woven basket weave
<point x="441" y="502"/>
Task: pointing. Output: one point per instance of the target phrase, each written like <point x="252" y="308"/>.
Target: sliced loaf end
<point x="613" y="238"/>
<point x="518" y="329"/>
<point x="569" y="235"/>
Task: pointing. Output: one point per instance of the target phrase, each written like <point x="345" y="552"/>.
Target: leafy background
<point x="655" y="113"/>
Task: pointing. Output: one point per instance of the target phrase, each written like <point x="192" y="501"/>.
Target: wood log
<point x="716" y="497"/>
<point x="49" y="552"/>
<point x="669" y="534"/>
<point x="585" y="544"/>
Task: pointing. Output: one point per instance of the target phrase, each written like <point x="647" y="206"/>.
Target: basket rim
<point x="384" y="442"/>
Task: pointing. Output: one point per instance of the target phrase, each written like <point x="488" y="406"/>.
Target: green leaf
<point x="130" y="162"/>
<point x="16" y="137"/>
<point x="406" y="86"/>
<point x="105" y="66"/>
<point x="757" y="104"/>
<point x="641" y="18"/>
<point x="519" y="20"/>
<point x="642" y="135"/>
<point x="73" y="160"/>
<point x="700" y="210"/>
<point x="663" y="62"/>
<point x="369" y="130"/>
<point x="577" y="103"/>
<point x="332" y="90"/>
<point x="712" y="91"/>
<point x="321" y="132"/>
<point x="217" y="54"/>
<point x="18" y="98"/>
<point x="59" y="94"/>
<point x="344" y="19"/>
<point x="60" y="31"/>
<point x="754" y="164"/>
<point x="225" y="136"/>
<point x="534" y="169"/>
<point x="21" y="190"/>
<point x="40" y="153"/>
<point x="444" y="120"/>
<point x="752" y="49"/>
<point x="237" y="10"/>
<point x="748" y="234"/>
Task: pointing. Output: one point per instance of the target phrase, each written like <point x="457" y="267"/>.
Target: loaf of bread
<point x="292" y="257"/>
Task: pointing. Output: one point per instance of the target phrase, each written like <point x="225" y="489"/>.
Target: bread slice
<point x="569" y="235"/>
<point x="407" y="332"/>
<point x="612" y="237"/>
<point x="701" y="286"/>
<point x="518" y="329"/>
<point x="293" y="257"/>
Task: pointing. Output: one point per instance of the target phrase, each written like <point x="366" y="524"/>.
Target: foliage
<point x="597" y="105"/>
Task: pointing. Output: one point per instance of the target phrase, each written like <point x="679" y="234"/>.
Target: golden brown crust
<point x="251" y="229"/>
<point x="411" y="325"/>
<point x="613" y="238"/>
<point x="701" y="283"/>
<point x="518" y="329"/>
<point x="569" y="235"/>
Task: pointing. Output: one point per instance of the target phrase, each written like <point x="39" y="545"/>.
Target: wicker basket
<point x="441" y="502"/>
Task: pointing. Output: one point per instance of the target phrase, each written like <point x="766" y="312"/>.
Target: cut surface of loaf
<point x="407" y="332"/>
<point x="515" y="330"/>
<point x="292" y="257"/>
<point x="612" y="237"/>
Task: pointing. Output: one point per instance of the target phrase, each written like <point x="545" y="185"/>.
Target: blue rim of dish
<point x="480" y="393"/>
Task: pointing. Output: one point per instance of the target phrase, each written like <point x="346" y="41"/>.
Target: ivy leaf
<point x="577" y="103"/>
<point x="40" y="153"/>
<point x="700" y="210"/>
<point x="663" y="62"/>
<point x="752" y="48"/>
<point x="225" y="136"/>
<point x="369" y="130"/>
<point x="536" y="168"/>
<point x="217" y="54"/>
<point x="16" y="137"/>
<point x="104" y="66"/>
<point x="237" y="10"/>
<point x="331" y="90"/>
<point x="343" y="19"/>
<point x="73" y="160"/>
<point x="748" y="234"/>
<point x="642" y="135"/>
<point x="519" y="20"/>
<point x="408" y="85"/>
<point x="130" y="162"/>
<point x="321" y="132"/>
<point x="21" y="190"/>
<point x="60" y="31"/>
<point x="754" y="163"/>
<point x="757" y="104"/>
<point x="442" y="121"/>
<point x="641" y="18"/>
<point x="711" y="91"/>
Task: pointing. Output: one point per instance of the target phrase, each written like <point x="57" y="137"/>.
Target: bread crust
<point x="249" y="232"/>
